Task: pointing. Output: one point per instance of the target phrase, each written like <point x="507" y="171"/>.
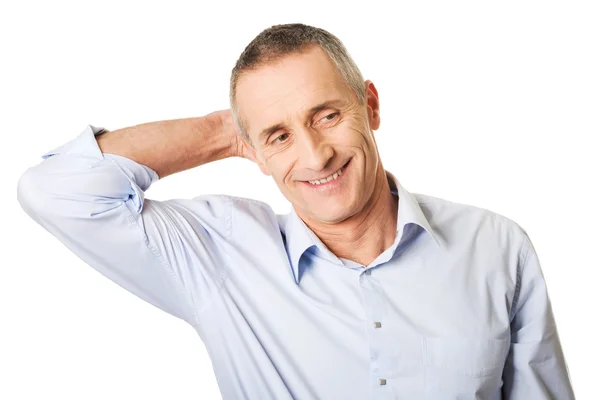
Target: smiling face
<point x="305" y="123"/>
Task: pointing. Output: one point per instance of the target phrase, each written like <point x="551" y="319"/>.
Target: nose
<point x="315" y="151"/>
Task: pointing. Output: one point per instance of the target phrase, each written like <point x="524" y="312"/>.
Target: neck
<point x="367" y="234"/>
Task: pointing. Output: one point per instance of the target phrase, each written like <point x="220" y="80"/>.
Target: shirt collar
<point x="299" y="237"/>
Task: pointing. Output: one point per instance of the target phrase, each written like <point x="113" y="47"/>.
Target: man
<point x="363" y="291"/>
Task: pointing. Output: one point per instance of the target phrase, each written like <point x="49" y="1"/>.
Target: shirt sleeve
<point x="535" y="366"/>
<point x="164" y="252"/>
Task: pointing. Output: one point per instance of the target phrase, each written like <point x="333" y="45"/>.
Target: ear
<point x="251" y="154"/>
<point x="258" y="160"/>
<point x="372" y="100"/>
<point x="263" y="168"/>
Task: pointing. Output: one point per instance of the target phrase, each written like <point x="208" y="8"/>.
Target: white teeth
<point x="329" y="178"/>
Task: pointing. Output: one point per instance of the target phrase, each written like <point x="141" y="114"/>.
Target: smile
<point x="329" y="178"/>
<point x="327" y="181"/>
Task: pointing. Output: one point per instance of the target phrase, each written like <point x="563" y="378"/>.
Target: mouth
<point x="330" y="182"/>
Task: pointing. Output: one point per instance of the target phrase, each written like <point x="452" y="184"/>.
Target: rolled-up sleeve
<point x="536" y="367"/>
<point x="164" y="252"/>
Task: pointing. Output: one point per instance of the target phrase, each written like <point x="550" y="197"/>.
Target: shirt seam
<point x="165" y="264"/>
<point x="522" y="260"/>
<point x="225" y="272"/>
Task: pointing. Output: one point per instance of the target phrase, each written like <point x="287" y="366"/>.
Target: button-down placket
<point x="381" y="353"/>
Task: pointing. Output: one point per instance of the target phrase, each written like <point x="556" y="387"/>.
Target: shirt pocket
<point x="468" y="356"/>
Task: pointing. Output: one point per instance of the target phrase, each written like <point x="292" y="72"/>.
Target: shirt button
<point x="377" y="324"/>
<point x="382" y="381"/>
<point x="368" y="272"/>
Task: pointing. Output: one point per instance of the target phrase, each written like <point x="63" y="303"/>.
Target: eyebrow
<point x="265" y="133"/>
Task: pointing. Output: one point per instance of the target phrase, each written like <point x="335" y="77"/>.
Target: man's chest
<point x="419" y="324"/>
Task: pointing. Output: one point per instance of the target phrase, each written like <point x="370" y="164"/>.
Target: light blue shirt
<point x="455" y="308"/>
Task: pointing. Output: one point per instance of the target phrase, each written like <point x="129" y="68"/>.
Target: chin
<point x="332" y="214"/>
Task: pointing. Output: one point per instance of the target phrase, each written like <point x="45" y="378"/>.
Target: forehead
<point x="286" y="88"/>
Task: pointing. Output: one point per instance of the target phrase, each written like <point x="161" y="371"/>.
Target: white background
<point x="495" y="104"/>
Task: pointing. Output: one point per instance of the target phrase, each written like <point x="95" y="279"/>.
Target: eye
<point x="280" y="136"/>
<point x="329" y="117"/>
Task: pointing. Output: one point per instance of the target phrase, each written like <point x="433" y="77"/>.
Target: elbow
<point x="73" y="194"/>
<point x="70" y="188"/>
<point x="29" y="195"/>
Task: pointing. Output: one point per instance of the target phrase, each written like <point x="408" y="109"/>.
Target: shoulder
<point x="476" y="222"/>
<point x="252" y="212"/>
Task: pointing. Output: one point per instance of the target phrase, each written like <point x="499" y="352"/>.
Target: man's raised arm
<point x="89" y="194"/>
<point x="175" y="145"/>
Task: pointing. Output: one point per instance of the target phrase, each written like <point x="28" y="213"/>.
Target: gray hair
<point x="278" y="41"/>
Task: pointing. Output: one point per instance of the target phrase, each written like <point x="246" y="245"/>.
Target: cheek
<point x="358" y="136"/>
<point x="280" y="167"/>
<point x="358" y="124"/>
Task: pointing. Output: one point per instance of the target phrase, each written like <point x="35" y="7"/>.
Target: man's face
<point x="306" y="124"/>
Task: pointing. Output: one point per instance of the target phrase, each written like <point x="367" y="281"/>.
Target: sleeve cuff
<point x="85" y="143"/>
<point x="140" y="176"/>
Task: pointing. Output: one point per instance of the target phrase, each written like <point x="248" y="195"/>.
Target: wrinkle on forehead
<point x="304" y="101"/>
<point x="267" y="97"/>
